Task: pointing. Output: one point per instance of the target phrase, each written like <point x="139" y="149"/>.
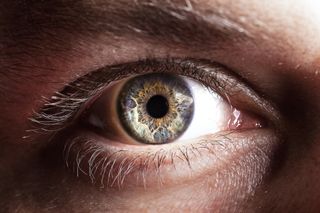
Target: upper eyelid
<point x="60" y="110"/>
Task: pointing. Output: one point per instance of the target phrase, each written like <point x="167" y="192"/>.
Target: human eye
<point x="161" y="122"/>
<point x="160" y="108"/>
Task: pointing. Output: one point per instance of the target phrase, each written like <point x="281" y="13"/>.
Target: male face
<point x="60" y="58"/>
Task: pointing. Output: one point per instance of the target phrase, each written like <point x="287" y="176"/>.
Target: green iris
<point x="155" y="108"/>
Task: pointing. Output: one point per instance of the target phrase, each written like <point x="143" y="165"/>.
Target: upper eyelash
<point x="61" y="108"/>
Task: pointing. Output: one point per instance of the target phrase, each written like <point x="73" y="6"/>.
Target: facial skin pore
<point x="271" y="45"/>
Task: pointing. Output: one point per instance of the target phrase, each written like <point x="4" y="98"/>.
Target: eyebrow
<point x="177" y="23"/>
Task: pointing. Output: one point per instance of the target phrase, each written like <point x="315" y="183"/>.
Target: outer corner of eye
<point x="161" y="108"/>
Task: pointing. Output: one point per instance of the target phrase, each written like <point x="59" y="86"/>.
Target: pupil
<point x="157" y="106"/>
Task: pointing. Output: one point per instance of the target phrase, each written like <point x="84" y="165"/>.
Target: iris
<point x="155" y="108"/>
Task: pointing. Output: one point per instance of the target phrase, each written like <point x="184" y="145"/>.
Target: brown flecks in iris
<point x="144" y="126"/>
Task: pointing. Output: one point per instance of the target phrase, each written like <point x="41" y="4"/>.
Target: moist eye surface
<point x="155" y="108"/>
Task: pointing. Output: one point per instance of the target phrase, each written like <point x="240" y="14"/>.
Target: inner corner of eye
<point x="160" y="108"/>
<point x="244" y="120"/>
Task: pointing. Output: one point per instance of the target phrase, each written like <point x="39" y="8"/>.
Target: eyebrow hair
<point x="161" y="21"/>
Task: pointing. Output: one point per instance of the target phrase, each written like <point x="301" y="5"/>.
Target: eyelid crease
<point x="62" y="108"/>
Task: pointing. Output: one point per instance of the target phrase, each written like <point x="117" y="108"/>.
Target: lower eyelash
<point x="111" y="169"/>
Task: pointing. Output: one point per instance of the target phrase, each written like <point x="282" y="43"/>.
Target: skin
<point x="267" y="171"/>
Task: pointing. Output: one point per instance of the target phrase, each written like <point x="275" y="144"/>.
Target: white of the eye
<point x="211" y="111"/>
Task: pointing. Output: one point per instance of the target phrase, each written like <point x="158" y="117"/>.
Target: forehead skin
<point x="279" y="55"/>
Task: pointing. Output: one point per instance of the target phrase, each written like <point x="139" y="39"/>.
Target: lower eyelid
<point x="109" y="166"/>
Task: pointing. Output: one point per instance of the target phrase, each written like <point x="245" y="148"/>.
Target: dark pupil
<point x="157" y="106"/>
